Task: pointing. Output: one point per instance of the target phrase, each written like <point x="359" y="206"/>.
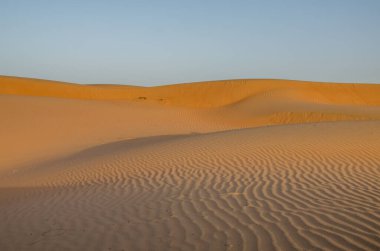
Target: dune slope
<point x="42" y="119"/>
<point x="224" y="165"/>
<point x="304" y="187"/>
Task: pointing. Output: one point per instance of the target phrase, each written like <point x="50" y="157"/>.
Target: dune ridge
<point x="200" y="94"/>
<point x="65" y="117"/>
<point x="224" y="165"/>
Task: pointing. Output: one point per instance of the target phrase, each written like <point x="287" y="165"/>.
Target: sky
<point x="174" y="41"/>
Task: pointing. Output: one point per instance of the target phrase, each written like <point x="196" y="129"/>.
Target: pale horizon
<point x="191" y="82"/>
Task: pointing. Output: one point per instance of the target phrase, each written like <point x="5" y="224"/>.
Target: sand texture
<point x="223" y="165"/>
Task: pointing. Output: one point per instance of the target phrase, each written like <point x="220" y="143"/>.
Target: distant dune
<point x="201" y="94"/>
<point x="221" y="165"/>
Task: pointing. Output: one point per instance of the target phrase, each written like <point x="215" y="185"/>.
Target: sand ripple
<point x="297" y="187"/>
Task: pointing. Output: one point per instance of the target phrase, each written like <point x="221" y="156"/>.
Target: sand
<point x="222" y="165"/>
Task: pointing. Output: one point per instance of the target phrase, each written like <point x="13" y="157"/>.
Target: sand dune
<point x="228" y="165"/>
<point x="202" y="94"/>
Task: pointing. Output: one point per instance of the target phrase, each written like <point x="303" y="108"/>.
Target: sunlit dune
<point x="222" y="165"/>
<point x="201" y="94"/>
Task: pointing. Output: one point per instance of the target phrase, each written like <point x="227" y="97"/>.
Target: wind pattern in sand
<point x="291" y="168"/>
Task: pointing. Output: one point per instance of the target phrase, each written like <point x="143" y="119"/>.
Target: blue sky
<point x="170" y="41"/>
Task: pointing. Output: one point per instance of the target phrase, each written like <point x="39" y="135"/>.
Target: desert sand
<point x="221" y="165"/>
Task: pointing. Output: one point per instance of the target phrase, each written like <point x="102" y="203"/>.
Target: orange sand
<point x="223" y="165"/>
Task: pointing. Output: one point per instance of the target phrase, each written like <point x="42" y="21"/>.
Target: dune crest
<point x="200" y="94"/>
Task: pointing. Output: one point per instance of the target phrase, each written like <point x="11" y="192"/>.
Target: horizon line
<point x="190" y="82"/>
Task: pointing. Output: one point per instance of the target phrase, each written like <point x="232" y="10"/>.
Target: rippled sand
<point x="228" y="165"/>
